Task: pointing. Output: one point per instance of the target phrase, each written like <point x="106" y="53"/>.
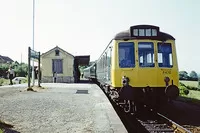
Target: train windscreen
<point x="165" y="55"/>
<point x="126" y="55"/>
<point x="146" y="54"/>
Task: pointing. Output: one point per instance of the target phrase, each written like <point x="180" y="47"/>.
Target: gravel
<point x="56" y="109"/>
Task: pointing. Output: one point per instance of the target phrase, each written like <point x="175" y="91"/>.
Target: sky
<point x="85" y="27"/>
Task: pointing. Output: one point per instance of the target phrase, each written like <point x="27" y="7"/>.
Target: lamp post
<point x="33" y="73"/>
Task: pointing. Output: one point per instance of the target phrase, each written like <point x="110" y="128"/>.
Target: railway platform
<point x="89" y="103"/>
<point x="80" y="108"/>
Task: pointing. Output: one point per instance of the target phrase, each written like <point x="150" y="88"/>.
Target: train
<point x="138" y="67"/>
<point x="90" y="73"/>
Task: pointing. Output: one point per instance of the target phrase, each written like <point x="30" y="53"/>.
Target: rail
<point x="159" y="123"/>
<point x="177" y="128"/>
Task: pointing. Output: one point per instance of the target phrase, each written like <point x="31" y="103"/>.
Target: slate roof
<point x="6" y="58"/>
<point x="51" y="50"/>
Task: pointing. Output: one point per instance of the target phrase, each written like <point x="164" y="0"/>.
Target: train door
<point x="167" y="64"/>
<point x="109" y="65"/>
<point x="146" y="65"/>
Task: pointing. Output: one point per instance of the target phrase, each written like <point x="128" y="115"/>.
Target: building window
<point x="57" y="52"/>
<point x="57" y="65"/>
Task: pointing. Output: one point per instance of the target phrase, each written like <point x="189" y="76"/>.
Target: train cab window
<point x="154" y="32"/>
<point x="141" y="32"/>
<point x="126" y="55"/>
<point x="148" y="32"/>
<point x="146" y="54"/>
<point x="165" y="55"/>
<point x="135" y="32"/>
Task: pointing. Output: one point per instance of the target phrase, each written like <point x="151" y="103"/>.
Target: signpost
<point x="33" y="55"/>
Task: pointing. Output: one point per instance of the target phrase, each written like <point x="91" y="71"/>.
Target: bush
<point x="21" y="70"/>
<point x="1" y="81"/>
<point x="186" y="92"/>
<point x="4" y="81"/>
<point x="192" y="88"/>
<point x="181" y="84"/>
<point x="183" y="89"/>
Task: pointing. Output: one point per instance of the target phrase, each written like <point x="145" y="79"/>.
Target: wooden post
<point x="39" y="70"/>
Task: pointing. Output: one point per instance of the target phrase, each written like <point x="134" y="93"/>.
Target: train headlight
<point x="125" y="81"/>
<point x="167" y="79"/>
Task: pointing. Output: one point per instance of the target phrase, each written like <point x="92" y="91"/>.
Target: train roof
<point x="90" y="66"/>
<point x="143" y="32"/>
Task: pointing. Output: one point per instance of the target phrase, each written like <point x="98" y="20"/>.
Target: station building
<point x="57" y="65"/>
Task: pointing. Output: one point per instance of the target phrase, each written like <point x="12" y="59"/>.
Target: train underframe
<point x="132" y="99"/>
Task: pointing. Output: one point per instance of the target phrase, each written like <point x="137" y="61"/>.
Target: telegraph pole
<point x="21" y="58"/>
<point x="33" y="73"/>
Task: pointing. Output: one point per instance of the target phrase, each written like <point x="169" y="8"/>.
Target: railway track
<point x="147" y="121"/>
<point x="157" y="123"/>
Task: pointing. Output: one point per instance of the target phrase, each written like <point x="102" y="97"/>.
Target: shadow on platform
<point x="85" y="81"/>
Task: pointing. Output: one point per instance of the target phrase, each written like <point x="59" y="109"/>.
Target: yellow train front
<point x="139" y="66"/>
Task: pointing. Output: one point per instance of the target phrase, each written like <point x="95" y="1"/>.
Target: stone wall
<point x="60" y="79"/>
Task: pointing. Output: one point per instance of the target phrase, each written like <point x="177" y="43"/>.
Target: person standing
<point x="54" y="77"/>
<point x="78" y="75"/>
<point x="11" y="75"/>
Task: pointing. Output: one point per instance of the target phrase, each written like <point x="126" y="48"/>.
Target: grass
<point x="190" y="83"/>
<point x="4" y="81"/>
<point x="193" y="96"/>
<point x="7" y="81"/>
<point x="4" y="125"/>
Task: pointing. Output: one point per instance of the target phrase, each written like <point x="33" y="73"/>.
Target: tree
<point x="183" y="75"/>
<point x="3" y="70"/>
<point x="21" y="70"/>
<point x="193" y="75"/>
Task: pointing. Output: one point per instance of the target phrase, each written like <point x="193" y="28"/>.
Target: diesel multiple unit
<point x="138" y="66"/>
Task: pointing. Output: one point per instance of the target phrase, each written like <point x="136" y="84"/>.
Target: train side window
<point x="165" y="55"/>
<point x="146" y="54"/>
<point x="109" y="57"/>
<point x="101" y="64"/>
<point x="106" y="62"/>
<point x="126" y="55"/>
<point x="103" y="61"/>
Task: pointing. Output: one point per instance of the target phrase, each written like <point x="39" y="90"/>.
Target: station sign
<point x="34" y="54"/>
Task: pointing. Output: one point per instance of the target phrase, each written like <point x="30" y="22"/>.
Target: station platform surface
<point x="63" y="108"/>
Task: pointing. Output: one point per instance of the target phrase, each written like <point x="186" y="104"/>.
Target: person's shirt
<point x="55" y="74"/>
<point x="11" y="71"/>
